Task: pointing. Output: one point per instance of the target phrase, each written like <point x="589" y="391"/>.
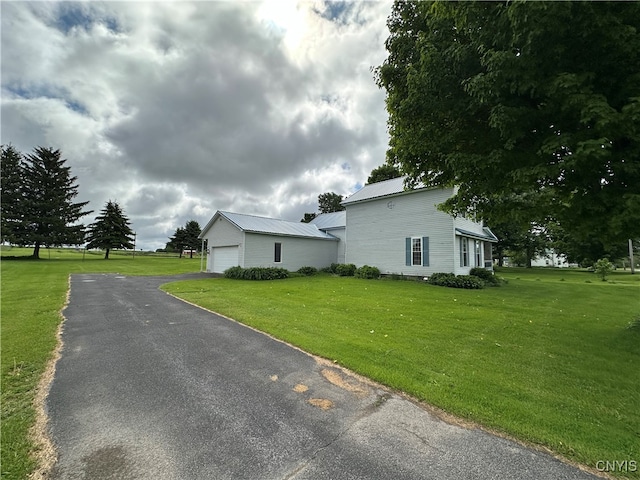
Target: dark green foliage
<point x="308" y="271"/>
<point x="308" y="217"/>
<point x="256" y="273"/>
<point x="346" y="269"/>
<point x="532" y="108"/>
<point x="330" y="202"/>
<point x="11" y="191"/>
<point x="367" y="271"/>
<point x="383" y="172"/>
<point x="47" y="214"/>
<point x="485" y="275"/>
<point x="110" y="230"/>
<point x="453" y="281"/>
<point x="332" y="269"/>
<point x="186" y="238"/>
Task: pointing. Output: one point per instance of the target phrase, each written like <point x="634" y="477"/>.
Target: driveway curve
<point x="150" y="387"/>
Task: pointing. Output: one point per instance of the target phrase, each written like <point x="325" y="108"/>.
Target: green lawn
<point x="33" y="292"/>
<point x="547" y="358"/>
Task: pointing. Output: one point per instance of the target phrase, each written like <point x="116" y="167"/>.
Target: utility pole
<point x="633" y="269"/>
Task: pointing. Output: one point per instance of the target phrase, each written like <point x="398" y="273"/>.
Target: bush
<point x="308" y="271"/>
<point x="346" y="269"/>
<point x="603" y="267"/>
<point x="331" y="269"/>
<point x="486" y="275"/>
<point x="368" y="272"/>
<point x="256" y="273"/>
<point x="461" y="281"/>
<point x="234" y="272"/>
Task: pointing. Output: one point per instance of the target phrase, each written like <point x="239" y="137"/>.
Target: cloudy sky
<point x="178" y="109"/>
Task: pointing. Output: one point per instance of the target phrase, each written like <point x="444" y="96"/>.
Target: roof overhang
<point x="486" y="236"/>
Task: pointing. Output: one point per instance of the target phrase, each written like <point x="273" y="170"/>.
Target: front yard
<point x="547" y="358"/>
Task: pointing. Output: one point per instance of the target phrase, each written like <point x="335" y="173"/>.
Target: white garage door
<point x="223" y="258"/>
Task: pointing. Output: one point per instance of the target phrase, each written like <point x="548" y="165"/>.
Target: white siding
<point x="296" y="252"/>
<point x="377" y="229"/>
<point x="470" y="226"/>
<point x="340" y="233"/>
<point x="224" y="234"/>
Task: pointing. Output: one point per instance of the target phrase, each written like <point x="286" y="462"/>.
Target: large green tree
<point x="48" y="215"/>
<point x="512" y="100"/>
<point x="110" y="230"/>
<point x="11" y="191"/>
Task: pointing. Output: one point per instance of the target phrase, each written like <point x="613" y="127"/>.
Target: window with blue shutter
<point x="417" y="251"/>
<point x="408" y="251"/>
<point x="425" y="251"/>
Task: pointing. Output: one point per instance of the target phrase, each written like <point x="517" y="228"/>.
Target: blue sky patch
<point x="74" y="15"/>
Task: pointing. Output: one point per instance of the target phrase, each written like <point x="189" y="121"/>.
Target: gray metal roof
<point x="329" y="221"/>
<point x="386" y="188"/>
<point x="273" y="226"/>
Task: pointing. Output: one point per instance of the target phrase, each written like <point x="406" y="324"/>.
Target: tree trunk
<point x="36" y="250"/>
<point x="106" y="254"/>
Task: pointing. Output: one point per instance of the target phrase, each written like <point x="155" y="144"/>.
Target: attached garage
<point x="222" y="258"/>
<point x="247" y="241"/>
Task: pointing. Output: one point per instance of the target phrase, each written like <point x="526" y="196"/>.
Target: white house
<point x="402" y="231"/>
<point x="383" y="225"/>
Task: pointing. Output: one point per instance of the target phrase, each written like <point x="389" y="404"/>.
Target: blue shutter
<point x="425" y="251"/>
<point x="408" y="250"/>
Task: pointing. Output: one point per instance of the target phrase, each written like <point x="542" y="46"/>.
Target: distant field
<point x="33" y="292"/>
<point x="547" y="358"/>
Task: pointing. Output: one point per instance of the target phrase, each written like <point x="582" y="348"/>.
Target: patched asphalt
<point x="150" y="387"/>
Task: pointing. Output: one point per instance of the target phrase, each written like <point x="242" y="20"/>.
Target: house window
<point x="478" y="254"/>
<point x="277" y="256"/>
<point x="416" y="251"/>
<point x="464" y="252"/>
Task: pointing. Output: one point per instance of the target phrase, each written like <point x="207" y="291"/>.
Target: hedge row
<point x="453" y="281"/>
<point x="256" y="273"/>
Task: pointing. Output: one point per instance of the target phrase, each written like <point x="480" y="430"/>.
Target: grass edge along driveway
<point x="33" y="294"/>
<point x="547" y="358"/>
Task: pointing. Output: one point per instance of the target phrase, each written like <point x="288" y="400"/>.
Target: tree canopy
<point x="384" y="172"/>
<point x="110" y="230"/>
<point x="186" y="237"/>
<point x="330" y="202"/>
<point x="40" y="211"/>
<point x="531" y="108"/>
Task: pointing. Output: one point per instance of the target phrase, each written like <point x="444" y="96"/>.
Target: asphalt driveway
<point x="150" y="387"/>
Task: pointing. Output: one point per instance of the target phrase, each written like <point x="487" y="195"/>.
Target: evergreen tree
<point x="48" y="215"/>
<point x="186" y="238"/>
<point x="11" y="191"/>
<point x="110" y="230"/>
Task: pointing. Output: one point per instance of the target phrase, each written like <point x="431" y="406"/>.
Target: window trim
<point x="414" y="251"/>
<point x="277" y="252"/>
<point x="464" y="252"/>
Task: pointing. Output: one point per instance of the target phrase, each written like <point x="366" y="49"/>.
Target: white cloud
<point x="177" y="109"/>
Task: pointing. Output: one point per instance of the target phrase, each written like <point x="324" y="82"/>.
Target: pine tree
<point x="110" y="230"/>
<point x="48" y="215"/>
<point x="11" y="191"/>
